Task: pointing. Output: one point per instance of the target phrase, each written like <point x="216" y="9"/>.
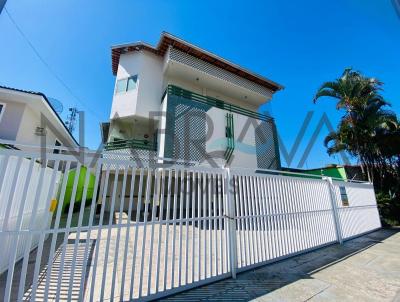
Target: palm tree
<point x="365" y="124"/>
<point x="350" y="89"/>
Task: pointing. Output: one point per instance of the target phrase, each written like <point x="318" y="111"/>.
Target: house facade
<point x="27" y="117"/>
<point x="178" y="101"/>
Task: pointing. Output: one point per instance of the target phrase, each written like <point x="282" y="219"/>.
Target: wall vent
<point x="40" y="131"/>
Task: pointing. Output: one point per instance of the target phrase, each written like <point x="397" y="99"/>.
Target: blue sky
<point x="299" y="44"/>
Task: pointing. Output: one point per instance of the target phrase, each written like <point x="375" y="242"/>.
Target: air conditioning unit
<point x="40" y="131"/>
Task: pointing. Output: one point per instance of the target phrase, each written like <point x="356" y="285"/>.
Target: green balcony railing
<point x="177" y="91"/>
<point x="131" y="144"/>
<point x="230" y="135"/>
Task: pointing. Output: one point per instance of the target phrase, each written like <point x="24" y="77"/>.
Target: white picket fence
<point x="149" y="232"/>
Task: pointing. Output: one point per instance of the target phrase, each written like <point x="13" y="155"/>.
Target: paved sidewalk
<point x="363" y="269"/>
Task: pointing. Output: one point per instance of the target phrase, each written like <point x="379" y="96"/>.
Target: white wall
<point x="244" y="154"/>
<point x="26" y="132"/>
<point x="11" y="119"/>
<point x="147" y="95"/>
<point x="43" y="216"/>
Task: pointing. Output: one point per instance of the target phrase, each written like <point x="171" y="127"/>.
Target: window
<point x="127" y="84"/>
<point x="2" y="107"/>
<point x="57" y="151"/>
<point x="343" y="196"/>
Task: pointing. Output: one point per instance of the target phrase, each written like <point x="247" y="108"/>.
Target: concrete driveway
<point x="363" y="269"/>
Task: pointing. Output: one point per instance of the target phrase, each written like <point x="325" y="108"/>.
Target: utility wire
<point x="53" y="73"/>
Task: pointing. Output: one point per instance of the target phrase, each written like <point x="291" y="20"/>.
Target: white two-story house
<point x="178" y="101"/>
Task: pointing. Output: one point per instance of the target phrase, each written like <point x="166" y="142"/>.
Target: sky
<point x="299" y="44"/>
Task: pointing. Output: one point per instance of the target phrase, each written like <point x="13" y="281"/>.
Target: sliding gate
<point x="92" y="229"/>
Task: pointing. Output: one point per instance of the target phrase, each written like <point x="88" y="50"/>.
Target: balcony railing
<point x="131" y="144"/>
<point x="230" y="135"/>
<point x="180" y="92"/>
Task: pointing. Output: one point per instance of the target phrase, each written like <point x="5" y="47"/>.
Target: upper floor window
<point x="2" y="106"/>
<point x="127" y="84"/>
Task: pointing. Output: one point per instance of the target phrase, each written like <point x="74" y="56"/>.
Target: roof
<point x="48" y="103"/>
<point x="167" y="40"/>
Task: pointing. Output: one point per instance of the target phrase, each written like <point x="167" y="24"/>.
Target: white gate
<point x="148" y="232"/>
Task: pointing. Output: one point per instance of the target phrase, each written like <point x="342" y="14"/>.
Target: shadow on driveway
<point x="366" y="268"/>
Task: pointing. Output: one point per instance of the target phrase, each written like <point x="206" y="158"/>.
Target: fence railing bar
<point x="14" y="243"/>
<point x="119" y="227"/>
<point x="127" y="232"/>
<point x="110" y="219"/>
<point x="56" y="226"/>
<point x="235" y="189"/>
<point x="89" y="232"/>
<point x="10" y="199"/>
<point x="153" y="217"/>
<point x="294" y="203"/>
<point x="214" y="224"/>
<point x="258" y="200"/>
<point x="243" y="233"/>
<point x="267" y="189"/>
<point x="193" y="204"/>
<point x="291" y="218"/>
<point x="169" y="193"/>
<point x="135" y="246"/>
<point x="253" y="211"/>
<point x="199" y="225"/>
<point x="5" y="158"/>
<point x="174" y="213"/>
<point x="181" y="192"/>
<point x="78" y="233"/>
<point x="281" y="219"/>
<point x="41" y="241"/>
<point x="205" y="223"/>
<point x="252" y="228"/>
<point x="220" y="227"/>
<point x="228" y="202"/>
<point x="281" y="226"/>
<point x="99" y="233"/>
<point x="146" y="211"/>
<point x="159" y="240"/>
<point x="264" y="219"/>
<point x="187" y="227"/>
<point x="209" y="214"/>
<point x="324" y="222"/>
<point x="69" y="219"/>
<point x="27" y="247"/>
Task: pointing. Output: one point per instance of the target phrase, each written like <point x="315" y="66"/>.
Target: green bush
<point x="389" y="208"/>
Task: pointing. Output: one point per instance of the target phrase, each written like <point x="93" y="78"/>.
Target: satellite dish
<point x="56" y="104"/>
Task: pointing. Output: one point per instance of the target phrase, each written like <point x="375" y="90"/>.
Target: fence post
<point x="230" y="215"/>
<point x="334" y="210"/>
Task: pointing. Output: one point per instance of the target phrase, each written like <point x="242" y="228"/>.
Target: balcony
<point x="142" y="144"/>
<point x="213" y="102"/>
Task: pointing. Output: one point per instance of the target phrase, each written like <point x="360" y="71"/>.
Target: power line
<point x="53" y="73"/>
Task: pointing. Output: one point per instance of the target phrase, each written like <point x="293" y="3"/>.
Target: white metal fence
<point x="23" y="205"/>
<point x="148" y="232"/>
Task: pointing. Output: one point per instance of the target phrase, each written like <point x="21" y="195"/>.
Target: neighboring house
<point x="21" y="114"/>
<point x="178" y="101"/>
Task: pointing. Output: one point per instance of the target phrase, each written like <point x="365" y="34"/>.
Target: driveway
<point x="363" y="269"/>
